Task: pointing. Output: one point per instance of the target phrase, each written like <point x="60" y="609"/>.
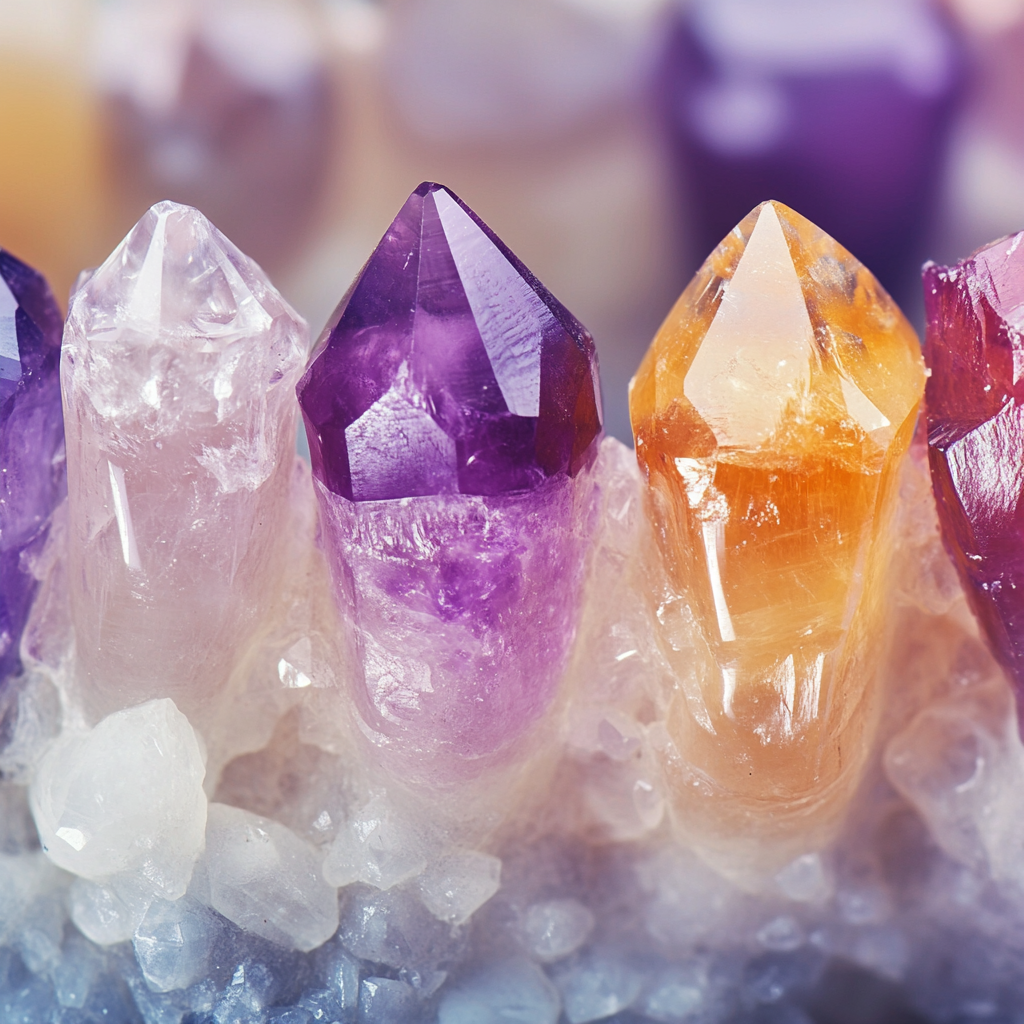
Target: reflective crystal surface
<point x="32" y="479"/>
<point x="976" y="433"/>
<point x="448" y="368"/>
<point x="451" y="377"/>
<point x="178" y="367"/>
<point x="770" y="414"/>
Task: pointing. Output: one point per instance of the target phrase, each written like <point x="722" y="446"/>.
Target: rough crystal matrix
<point x="450" y="376"/>
<point x="178" y="367"/>
<point x="975" y="350"/>
<point x="770" y="414"/>
<point x="31" y="440"/>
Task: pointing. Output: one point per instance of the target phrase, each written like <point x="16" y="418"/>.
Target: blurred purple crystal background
<point x="610" y="142"/>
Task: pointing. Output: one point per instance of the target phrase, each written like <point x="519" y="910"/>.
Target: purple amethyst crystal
<point x="448" y="368"/>
<point x="453" y="414"/>
<point x="838" y="108"/>
<point x="32" y="479"/>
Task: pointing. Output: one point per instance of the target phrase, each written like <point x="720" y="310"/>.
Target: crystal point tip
<point x="448" y="368"/>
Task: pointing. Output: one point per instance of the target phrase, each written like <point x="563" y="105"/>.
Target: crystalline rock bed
<point x="479" y="716"/>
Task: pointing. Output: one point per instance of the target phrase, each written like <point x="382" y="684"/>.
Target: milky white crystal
<point x="125" y="797"/>
<point x="178" y="373"/>
<point x="263" y="877"/>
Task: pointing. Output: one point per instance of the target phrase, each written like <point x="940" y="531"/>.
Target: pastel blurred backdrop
<point x="611" y="143"/>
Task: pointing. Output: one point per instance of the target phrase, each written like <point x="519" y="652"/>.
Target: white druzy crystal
<point x="125" y="797"/>
<point x="267" y="880"/>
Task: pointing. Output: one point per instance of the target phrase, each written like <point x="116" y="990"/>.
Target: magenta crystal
<point x="453" y="410"/>
<point x="448" y="368"/>
<point x="32" y="479"/>
<point x="975" y="349"/>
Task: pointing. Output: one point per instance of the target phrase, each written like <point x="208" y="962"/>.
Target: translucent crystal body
<point x="452" y="410"/>
<point x="976" y="434"/>
<point x="178" y="367"/>
<point x="31" y="441"/>
<point x="770" y="415"/>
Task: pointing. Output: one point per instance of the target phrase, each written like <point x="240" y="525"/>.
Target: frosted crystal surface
<point x="267" y="880"/>
<point x="556" y="928"/>
<point x="173" y="943"/>
<point x="126" y="796"/>
<point x="512" y="990"/>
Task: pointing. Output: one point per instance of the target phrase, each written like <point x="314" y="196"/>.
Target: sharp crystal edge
<point x="771" y="414"/>
<point x="975" y="351"/>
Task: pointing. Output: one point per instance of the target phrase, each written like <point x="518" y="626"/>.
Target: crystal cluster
<point x="482" y="717"/>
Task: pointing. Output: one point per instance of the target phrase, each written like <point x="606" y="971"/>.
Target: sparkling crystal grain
<point x="32" y="479"/>
<point x="452" y="379"/>
<point x="770" y="415"/>
<point x="975" y="350"/>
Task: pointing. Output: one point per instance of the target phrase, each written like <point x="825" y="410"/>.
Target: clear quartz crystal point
<point x="771" y="414"/>
<point x="178" y="370"/>
<point x="453" y="414"/>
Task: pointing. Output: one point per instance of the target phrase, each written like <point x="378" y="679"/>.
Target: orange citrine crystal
<point x="770" y="415"/>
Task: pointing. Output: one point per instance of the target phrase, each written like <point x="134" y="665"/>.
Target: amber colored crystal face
<point x="770" y="413"/>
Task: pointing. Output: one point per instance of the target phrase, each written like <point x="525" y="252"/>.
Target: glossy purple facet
<point x="838" y="108"/>
<point x="975" y="407"/>
<point x="448" y="368"/>
<point x="32" y="479"/>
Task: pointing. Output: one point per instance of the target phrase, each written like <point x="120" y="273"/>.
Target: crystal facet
<point x="448" y="368"/>
<point x="770" y="415"/>
<point x="450" y="377"/>
<point x="32" y="479"/>
<point x="975" y="351"/>
<point x="178" y="367"/>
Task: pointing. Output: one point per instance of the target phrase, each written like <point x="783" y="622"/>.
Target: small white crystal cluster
<point x="287" y="892"/>
<point x="192" y="832"/>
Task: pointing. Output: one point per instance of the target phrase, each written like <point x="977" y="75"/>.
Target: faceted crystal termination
<point x="178" y="371"/>
<point x="975" y="349"/>
<point x="448" y="368"/>
<point x="450" y="376"/>
<point x="770" y="415"/>
<point x="32" y="479"/>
